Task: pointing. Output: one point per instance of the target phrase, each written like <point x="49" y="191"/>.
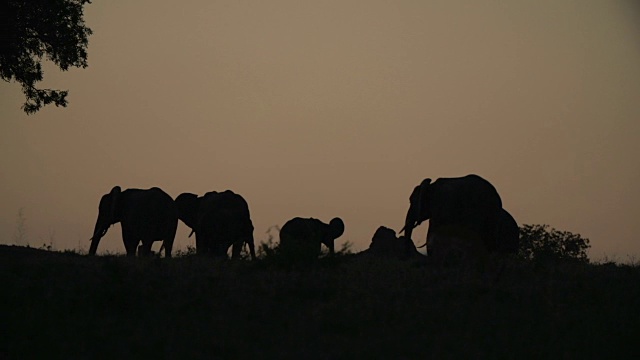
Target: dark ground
<point x="65" y="305"/>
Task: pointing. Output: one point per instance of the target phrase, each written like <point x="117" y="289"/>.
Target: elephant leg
<point x="221" y="248"/>
<point x="237" y="249"/>
<point x="429" y="241"/>
<point x="168" y="246"/>
<point x="130" y="240"/>
<point x="216" y="247"/>
<point x="201" y="246"/>
<point x="145" y="248"/>
<point x="456" y="245"/>
<point x="169" y="238"/>
<point x="252" y="248"/>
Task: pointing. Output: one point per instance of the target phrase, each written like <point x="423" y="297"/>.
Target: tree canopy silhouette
<point x="31" y="30"/>
<point x="540" y="242"/>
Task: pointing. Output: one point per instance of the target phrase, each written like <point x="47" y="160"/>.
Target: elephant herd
<point x="464" y="212"/>
<point x="218" y="220"/>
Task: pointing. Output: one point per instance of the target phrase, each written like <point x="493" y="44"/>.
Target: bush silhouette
<point x="542" y="242"/>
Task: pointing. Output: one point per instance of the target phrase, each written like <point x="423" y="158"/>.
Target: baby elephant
<point x="301" y="238"/>
<point x="385" y="243"/>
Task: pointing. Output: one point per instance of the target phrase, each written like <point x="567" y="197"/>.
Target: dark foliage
<point x="540" y="243"/>
<point x="33" y="30"/>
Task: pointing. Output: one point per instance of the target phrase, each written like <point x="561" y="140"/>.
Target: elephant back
<point x="385" y="243"/>
<point x="187" y="205"/>
<point x="463" y="198"/>
<point x="470" y="202"/>
<point x="152" y="210"/>
<point x="301" y="238"/>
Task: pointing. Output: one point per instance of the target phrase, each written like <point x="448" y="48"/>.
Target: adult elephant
<point x="219" y="220"/>
<point x="303" y="237"/>
<point x="145" y="215"/>
<point x="462" y="207"/>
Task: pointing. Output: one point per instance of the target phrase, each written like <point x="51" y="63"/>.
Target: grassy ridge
<point x="59" y="304"/>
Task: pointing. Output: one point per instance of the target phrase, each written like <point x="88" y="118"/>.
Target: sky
<point x="337" y="108"/>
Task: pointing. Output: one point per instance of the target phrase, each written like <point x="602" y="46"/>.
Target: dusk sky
<point x="338" y="108"/>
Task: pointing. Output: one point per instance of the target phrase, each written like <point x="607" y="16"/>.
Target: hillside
<point x="64" y="304"/>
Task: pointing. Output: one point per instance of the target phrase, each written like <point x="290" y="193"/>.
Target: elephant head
<point x="108" y="214"/>
<point x="187" y="205"/>
<point x="419" y="209"/>
<point x="335" y="230"/>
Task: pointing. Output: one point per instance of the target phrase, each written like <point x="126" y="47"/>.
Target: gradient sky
<point x="338" y="108"/>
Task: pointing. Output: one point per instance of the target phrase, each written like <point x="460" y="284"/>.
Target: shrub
<point x="541" y="242"/>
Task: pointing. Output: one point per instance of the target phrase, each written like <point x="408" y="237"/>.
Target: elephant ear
<point x="422" y="196"/>
<point x="188" y="205"/>
<point x="336" y="227"/>
<point x="115" y="199"/>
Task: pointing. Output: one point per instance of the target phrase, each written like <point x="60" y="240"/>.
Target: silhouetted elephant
<point x="302" y="238"/>
<point x="144" y="215"/>
<point x="188" y="205"/>
<point x="464" y="207"/>
<point x="219" y="220"/>
<point x="385" y="244"/>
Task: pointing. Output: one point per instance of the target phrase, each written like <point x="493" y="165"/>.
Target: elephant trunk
<point x="409" y="224"/>
<point x="336" y="229"/>
<point x="98" y="232"/>
<point x="94" y="245"/>
<point x="331" y="247"/>
<point x="418" y="208"/>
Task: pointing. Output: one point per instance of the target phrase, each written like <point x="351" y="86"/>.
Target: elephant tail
<point x="421" y="246"/>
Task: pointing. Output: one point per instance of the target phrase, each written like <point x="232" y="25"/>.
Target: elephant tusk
<point x="413" y="226"/>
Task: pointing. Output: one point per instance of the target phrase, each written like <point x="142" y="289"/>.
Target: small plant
<point x="345" y="248"/>
<point x="268" y="248"/>
<point x="48" y="245"/>
<point x="191" y="250"/>
<point x="541" y="242"/>
<point x="20" y="234"/>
